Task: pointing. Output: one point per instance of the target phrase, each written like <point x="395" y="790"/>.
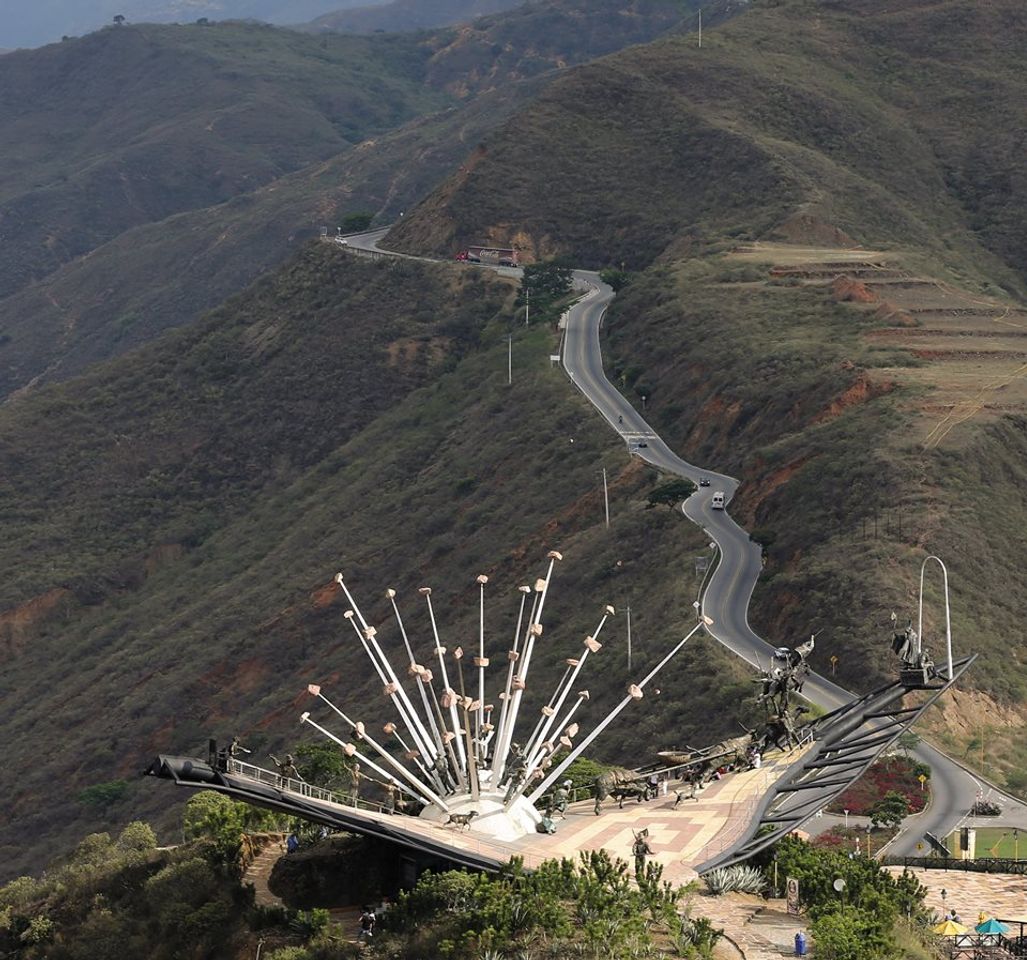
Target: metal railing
<point x="980" y="865"/>
<point x="301" y="787"/>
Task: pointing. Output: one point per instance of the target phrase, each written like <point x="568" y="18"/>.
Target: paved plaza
<point x="1001" y="895"/>
<point x="681" y="837"/>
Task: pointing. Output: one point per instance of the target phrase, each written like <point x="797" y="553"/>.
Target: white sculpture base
<point x="492" y="819"/>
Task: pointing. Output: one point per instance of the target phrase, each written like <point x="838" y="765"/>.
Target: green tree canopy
<point x="357" y="221"/>
<point x="890" y="810"/>
<point x="670" y="494"/>
<point x="103" y="795"/>
<point x="618" y="279"/>
<point x="223" y="820"/>
<point x="548" y="279"/>
<point x="323" y="764"/>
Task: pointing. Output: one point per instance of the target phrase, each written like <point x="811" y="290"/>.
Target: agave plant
<point x="727" y="879"/>
<point x="749" y="879"/>
<point x="719" y="881"/>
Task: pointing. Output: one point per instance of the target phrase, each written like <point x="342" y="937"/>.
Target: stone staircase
<point x="760" y="930"/>
<point x="259" y="871"/>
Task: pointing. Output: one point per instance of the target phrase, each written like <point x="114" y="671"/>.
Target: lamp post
<point x="846" y="819"/>
<point x="948" y="614"/>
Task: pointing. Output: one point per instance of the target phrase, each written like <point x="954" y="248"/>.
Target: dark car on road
<point x="704" y="481"/>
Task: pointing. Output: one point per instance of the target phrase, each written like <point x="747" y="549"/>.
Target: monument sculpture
<point x="450" y="751"/>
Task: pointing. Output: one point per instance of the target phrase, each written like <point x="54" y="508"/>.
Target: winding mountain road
<point x="727" y="595"/>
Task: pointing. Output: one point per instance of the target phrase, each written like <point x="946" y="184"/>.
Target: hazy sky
<point x="31" y="23"/>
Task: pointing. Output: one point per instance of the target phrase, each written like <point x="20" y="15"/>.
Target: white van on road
<point x="717" y="502"/>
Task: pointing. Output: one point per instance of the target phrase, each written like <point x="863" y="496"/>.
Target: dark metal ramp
<point x="846" y="742"/>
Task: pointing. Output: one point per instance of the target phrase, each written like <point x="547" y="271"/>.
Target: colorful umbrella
<point x="991" y="925"/>
<point x="949" y="928"/>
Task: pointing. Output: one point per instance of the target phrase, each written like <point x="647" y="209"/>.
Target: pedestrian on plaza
<point x="367" y="922"/>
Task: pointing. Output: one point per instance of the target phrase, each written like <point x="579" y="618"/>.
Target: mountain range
<point x="403" y="15"/>
<point x="250" y="119"/>
<point x="33" y="24"/>
<point x="816" y="223"/>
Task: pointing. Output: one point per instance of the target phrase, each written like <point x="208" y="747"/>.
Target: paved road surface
<point x="727" y="596"/>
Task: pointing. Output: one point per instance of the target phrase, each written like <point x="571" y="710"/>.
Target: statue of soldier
<point x="441" y="769"/>
<point x="517" y="762"/>
<point x="287" y="768"/>
<point x="355" y="776"/>
<point x="905" y="645"/>
<point x="641" y="849"/>
<point x="235" y="748"/>
<point x="562" y="796"/>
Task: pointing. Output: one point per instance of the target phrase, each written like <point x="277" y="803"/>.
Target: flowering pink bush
<point x="891" y="773"/>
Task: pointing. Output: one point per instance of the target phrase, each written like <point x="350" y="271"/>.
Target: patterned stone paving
<point x="1002" y="895"/>
<point x="681" y="837"/>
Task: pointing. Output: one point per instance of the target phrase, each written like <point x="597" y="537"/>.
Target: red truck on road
<point x="495" y="256"/>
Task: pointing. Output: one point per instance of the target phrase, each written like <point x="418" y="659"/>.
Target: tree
<point x="355" y="222"/>
<point x="103" y="795"/>
<point x="890" y="810"/>
<point x="223" y="820"/>
<point x="907" y="741"/>
<point x="670" y="494"/>
<point x="119" y="19"/>
<point x="849" y="934"/>
<point x="137" y="837"/>
<point x="546" y="281"/>
<point x="323" y="764"/>
<point x="618" y="279"/>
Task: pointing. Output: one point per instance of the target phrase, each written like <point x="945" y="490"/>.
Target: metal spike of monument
<point x="457" y="757"/>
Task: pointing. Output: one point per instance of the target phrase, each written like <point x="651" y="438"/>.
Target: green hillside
<point x="891" y="138"/>
<point x="405" y="15"/>
<point x="165" y="274"/>
<point x="870" y="399"/>
<point x="153" y="120"/>
<point x="174" y="520"/>
<point x="133" y="185"/>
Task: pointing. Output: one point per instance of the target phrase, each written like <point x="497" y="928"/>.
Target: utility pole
<point x="509" y="360"/>
<point x="700" y="28"/>
<point x="527" y="304"/>
<point x="606" y="499"/>
<point x="629" y="638"/>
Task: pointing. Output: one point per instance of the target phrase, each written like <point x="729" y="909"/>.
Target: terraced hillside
<point x="877" y="415"/>
<point x="866" y="381"/>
